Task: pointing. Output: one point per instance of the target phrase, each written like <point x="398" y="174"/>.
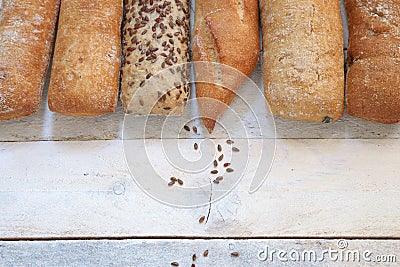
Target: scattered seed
<point x="187" y="128"/>
<point x="229" y="170"/>
<point x="205" y="254"/>
<point x="229" y="142"/>
<point x="171" y="183"/>
<point x="227" y="164"/>
<point x="174" y="263"/>
<point x="327" y="120"/>
<point x="193" y="265"/>
<point x="180" y="182"/>
<point x="214" y="171"/>
<point x="194" y="257"/>
<point x="216" y="182"/>
<point x="195" y="129"/>
<point x="215" y="163"/>
<point x="219" y="148"/>
<point x="196" y="146"/>
<point x="202" y="218"/>
<point x="220" y="158"/>
<point x="173" y="179"/>
<point x="235" y="149"/>
<point x="219" y="178"/>
<point x="235" y="254"/>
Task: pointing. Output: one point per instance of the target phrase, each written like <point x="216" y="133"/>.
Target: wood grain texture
<point x="345" y="186"/>
<point x="316" y="188"/>
<point x="161" y="252"/>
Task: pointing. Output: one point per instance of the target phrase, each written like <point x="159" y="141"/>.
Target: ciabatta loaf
<point x="86" y="64"/>
<point x="26" y="34"/>
<point x="373" y="84"/>
<point x="303" y="59"/>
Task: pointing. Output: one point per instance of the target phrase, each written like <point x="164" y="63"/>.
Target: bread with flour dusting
<point x="373" y="84"/>
<point x="303" y="59"/>
<point x="26" y="34"/>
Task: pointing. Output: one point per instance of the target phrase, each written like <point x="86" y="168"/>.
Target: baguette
<point x="373" y="84"/>
<point x="26" y="34"/>
<point x="226" y="32"/>
<point x="156" y="36"/>
<point x="303" y="59"/>
<point x="85" y="72"/>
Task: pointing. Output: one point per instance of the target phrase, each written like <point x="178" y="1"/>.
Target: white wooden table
<point x="67" y="197"/>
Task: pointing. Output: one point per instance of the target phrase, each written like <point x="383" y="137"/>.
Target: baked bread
<point x="85" y="72"/>
<point x="26" y="34"/>
<point x="373" y="84"/>
<point x="225" y="32"/>
<point x="303" y="59"/>
<point x="156" y="36"/>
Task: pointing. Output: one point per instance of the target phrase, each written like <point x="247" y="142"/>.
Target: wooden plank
<point x="140" y="252"/>
<point x="316" y="188"/>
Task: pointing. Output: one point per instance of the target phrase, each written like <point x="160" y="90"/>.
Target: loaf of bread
<point x="26" y="34"/>
<point x="86" y="63"/>
<point x="156" y="36"/>
<point x="373" y="84"/>
<point x="303" y="59"/>
<point x="225" y="32"/>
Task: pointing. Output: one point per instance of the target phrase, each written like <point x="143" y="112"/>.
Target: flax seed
<point x="202" y="218"/>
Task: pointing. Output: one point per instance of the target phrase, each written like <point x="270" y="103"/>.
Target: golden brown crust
<point x="156" y="36"/>
<point x="225" y="32"/>
<point x="303" y="59"/>
<point x="373" y="62"/>
<point x="373" y="91"/>
<point x="26" y="35"/>
<point x="85" y="71"/>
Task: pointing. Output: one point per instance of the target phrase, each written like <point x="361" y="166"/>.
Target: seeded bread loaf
<point x="26" y="34"/>
<point x="86" y="63"/>
<point x="373" y="84"/>
<point x="226" y="32"/>
<point x="156" y="36"/>
<point x="303" y="59"/>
